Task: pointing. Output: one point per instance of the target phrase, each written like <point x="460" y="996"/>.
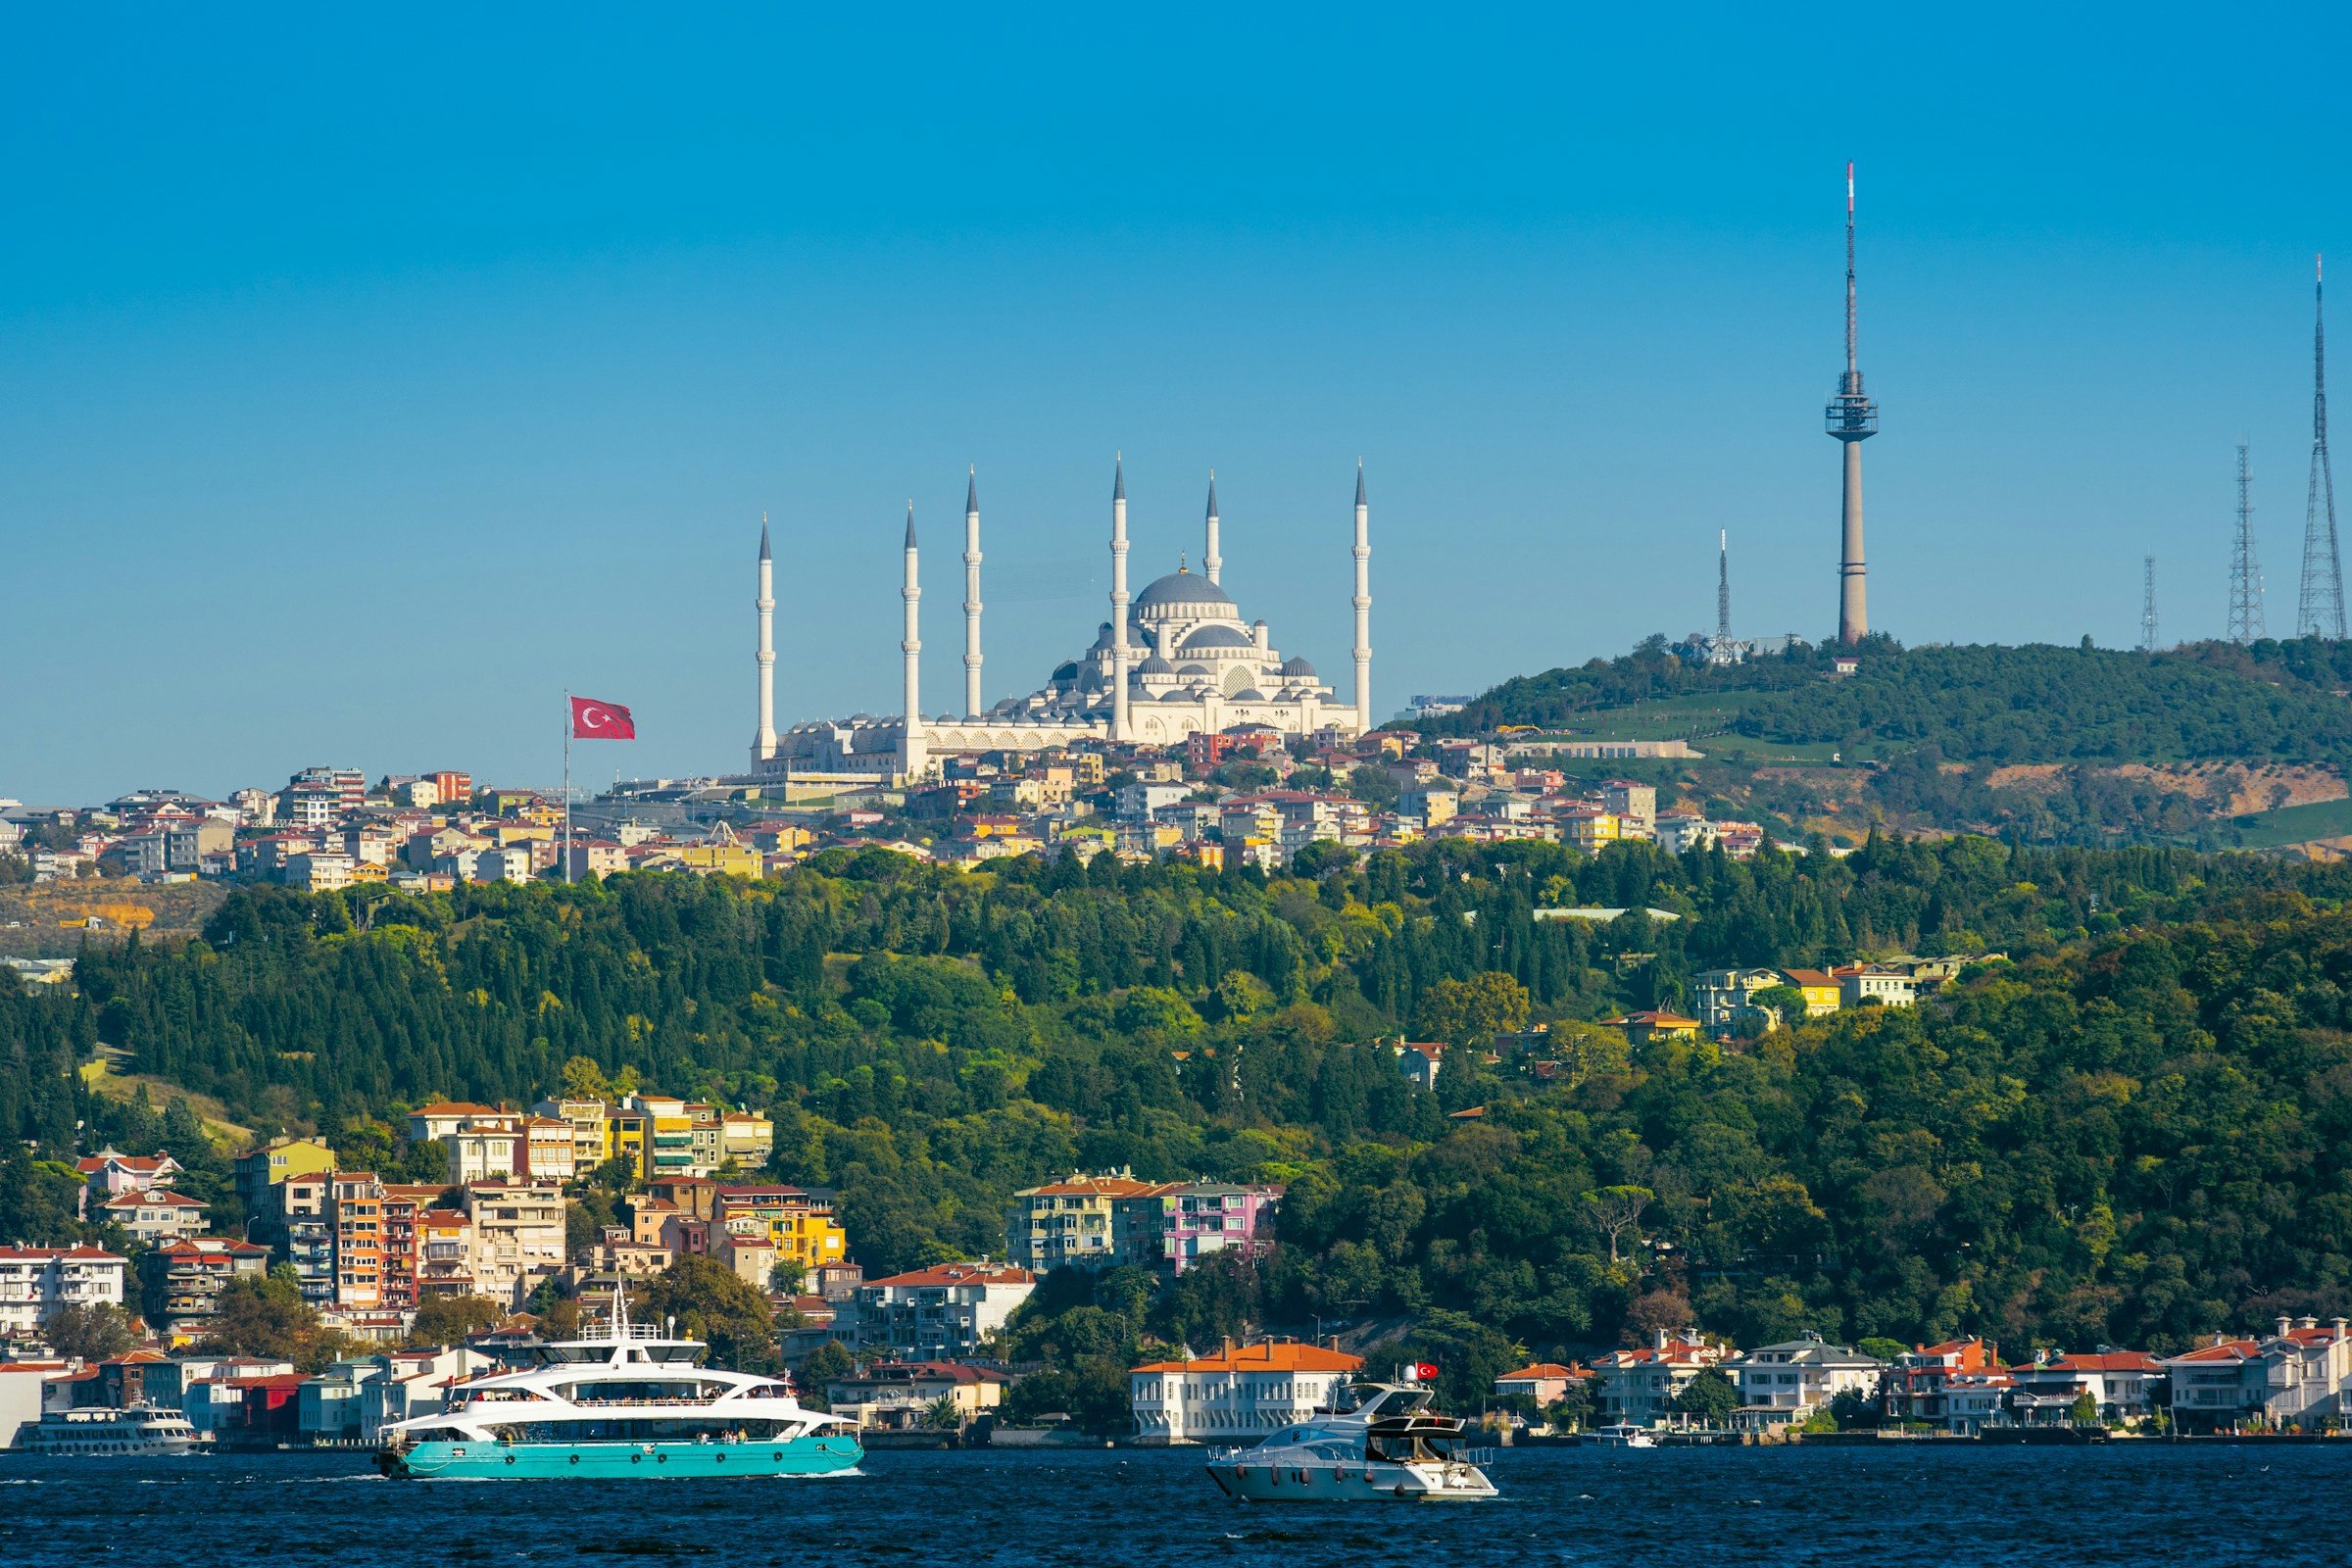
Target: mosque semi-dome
<point x="1207" y="637"/>
<point x="1298" y="668"/>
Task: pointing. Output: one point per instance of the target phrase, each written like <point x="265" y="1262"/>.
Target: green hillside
<point x="2136" y="1132"/>
<point x="1988" y="704"/>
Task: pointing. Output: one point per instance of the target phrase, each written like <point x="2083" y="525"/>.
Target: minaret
<point x="1118" y="599"/>
<point x="763" y="739"/>
<point x="1853" y="418"/>
<point x="1210" y="561"/>
<point x="912" y="749"/>
<point x="1363" y="605"/>
<point x="971" y="594"/>
<point x="1722" y="587"/>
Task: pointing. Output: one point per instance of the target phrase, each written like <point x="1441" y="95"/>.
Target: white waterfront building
<point x="1240" y="1395"/>
<point x="1177" y="660"/>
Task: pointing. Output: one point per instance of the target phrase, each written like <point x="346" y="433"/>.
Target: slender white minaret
<point x="911" y="645"/>
<point x="1118" y="599"/>
<point x="763" y="739"/>
<point x="971" y="594"/>
<point x="1210" y="561"/>
<point x="1363" y="605"/>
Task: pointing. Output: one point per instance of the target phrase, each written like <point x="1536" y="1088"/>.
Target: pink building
<point x="1201" y="1219"/>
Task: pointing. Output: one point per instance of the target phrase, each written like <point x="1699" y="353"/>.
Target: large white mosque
<point x="1177" y="661"/>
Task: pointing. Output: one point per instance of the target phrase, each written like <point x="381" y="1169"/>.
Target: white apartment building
<point x="1240" y="1395"/>
<point x="1788" y="1381"/>
<point x="318" y="871"/>
<point x="517" y="1237"/>
<point x="937" y="1313"/>
<point x="1638" y="1385"/>
<point x="36" y="1281"/>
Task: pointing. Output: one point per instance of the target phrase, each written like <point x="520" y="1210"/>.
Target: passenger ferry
<point x="137" y="1431"/>
<point x="1387" y="1445"/>
<point x="634" y="1403"/>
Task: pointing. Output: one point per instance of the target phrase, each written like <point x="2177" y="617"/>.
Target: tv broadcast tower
<point x="2246" y="574"/>
<point x="1853" y="418"/>
<point x="2319" y="610"/>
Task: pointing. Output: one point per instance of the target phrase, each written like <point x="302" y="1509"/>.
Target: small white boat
<point x="1386" y="1446"/>
<point x="1622" y="1436"/>
<point x="138" y="1432"/>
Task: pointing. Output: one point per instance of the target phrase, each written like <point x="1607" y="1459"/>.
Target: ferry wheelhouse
<point x="635" y="1402"/>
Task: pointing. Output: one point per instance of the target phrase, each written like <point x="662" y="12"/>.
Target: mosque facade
<point x="1175" y="660"/>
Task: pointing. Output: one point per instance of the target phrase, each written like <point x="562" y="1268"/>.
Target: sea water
<point x="1954" y="1506"/>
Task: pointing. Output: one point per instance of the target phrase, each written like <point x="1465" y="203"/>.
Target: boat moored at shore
<point x="634" y="1403"/>
<point x="1387" y="1446"/>
<point x="135" y="1432"/>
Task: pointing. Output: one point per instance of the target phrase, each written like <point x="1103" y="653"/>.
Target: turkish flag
<point x="592" y="720"/>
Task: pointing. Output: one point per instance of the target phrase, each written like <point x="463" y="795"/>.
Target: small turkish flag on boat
<point x="592" y="720"/>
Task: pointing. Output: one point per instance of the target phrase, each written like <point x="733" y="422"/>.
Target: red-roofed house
<point x="1547" y="1383"/>
<point x="2123" y="1384"/>
<point x="2298" y="1377"/>
<point x="196" y="1269"/>
<point x="936" y="1313"/>
<point x="108" y="1174"/>
<point x="1916" y="1385"/>
<point x="1638" y="1385"/>
<point x="1238" y="1395"/>
<point x="153" y="1214"/>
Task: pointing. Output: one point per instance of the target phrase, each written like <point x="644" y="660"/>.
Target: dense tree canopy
<point x="2133" y="1132"/>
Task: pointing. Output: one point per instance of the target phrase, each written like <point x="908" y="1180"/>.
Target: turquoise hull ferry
<point x="633" y="1405"/>
<point x="619" y="1462"/>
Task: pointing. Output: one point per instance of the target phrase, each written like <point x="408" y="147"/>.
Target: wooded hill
<point x="1941" y="729"/>
<point x="2136" y="1132"/>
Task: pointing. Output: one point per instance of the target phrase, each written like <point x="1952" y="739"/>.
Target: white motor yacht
<point x="1622" y="1436"/>
<point x="1387" y="1445"/>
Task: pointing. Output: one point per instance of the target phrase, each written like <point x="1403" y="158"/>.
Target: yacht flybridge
<point x="635" y="1402"/>
<point x="1388" y="1445"/>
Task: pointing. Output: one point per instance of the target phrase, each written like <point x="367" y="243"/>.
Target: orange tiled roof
<point x="1270" y="1356"/>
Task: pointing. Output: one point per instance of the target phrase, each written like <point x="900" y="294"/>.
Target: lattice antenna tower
<point x="2147" y="605"/>
<point x="1722" y="585"/>
<point x="2319" y="610"/>
<point x="2246" y="574"/>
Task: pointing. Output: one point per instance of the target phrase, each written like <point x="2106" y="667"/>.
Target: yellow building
<point x="721" y="859"/>
<point x="629" y="1136"/>
<point x="1590" y="830"/>
<point x="1641" y="1028"/>
<point x="1820" y="990"/>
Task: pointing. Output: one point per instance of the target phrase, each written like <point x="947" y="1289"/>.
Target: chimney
<point x="1661" y="1339"/>
<point x="2338" y="1325"/>
<point x="2284" y="1323"/>
<point x="2307" y="1322"/>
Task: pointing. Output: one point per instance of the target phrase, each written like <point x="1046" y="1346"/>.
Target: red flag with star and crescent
<point x="592" y="720"/>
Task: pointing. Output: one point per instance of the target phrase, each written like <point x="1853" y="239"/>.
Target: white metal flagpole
<point x="566" y="845"/>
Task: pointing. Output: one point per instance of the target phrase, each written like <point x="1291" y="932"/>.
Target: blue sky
<point x="366" y="383"/>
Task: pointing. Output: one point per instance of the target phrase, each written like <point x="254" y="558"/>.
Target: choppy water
<point x="1952" y="1507"/>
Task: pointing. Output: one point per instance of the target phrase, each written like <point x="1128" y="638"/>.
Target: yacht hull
<point x="1263" y="1482"/>
<point x="632" y="1461"/>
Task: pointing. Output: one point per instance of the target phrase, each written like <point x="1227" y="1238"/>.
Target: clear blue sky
<point x="365" y="384"/>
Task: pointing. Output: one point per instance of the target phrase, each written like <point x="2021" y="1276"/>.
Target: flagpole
<point x="566" y="845"/>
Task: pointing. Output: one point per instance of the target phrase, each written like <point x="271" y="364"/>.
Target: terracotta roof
<point x="2227" y="1350"/>
<point x="1541" y="1369"/>
<point x="962" y="1274"/>
<point x="78" y="1253"/>
<point x="1807" y="977"/>
<point x="1271" y="1355"/>
<point x="1101" y="1187"/>
<point x="152" y="1195"/>
<point x="92" y="1164"/>
<point x="2107" y="1361"/>
<point x="454" y="1108"/>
